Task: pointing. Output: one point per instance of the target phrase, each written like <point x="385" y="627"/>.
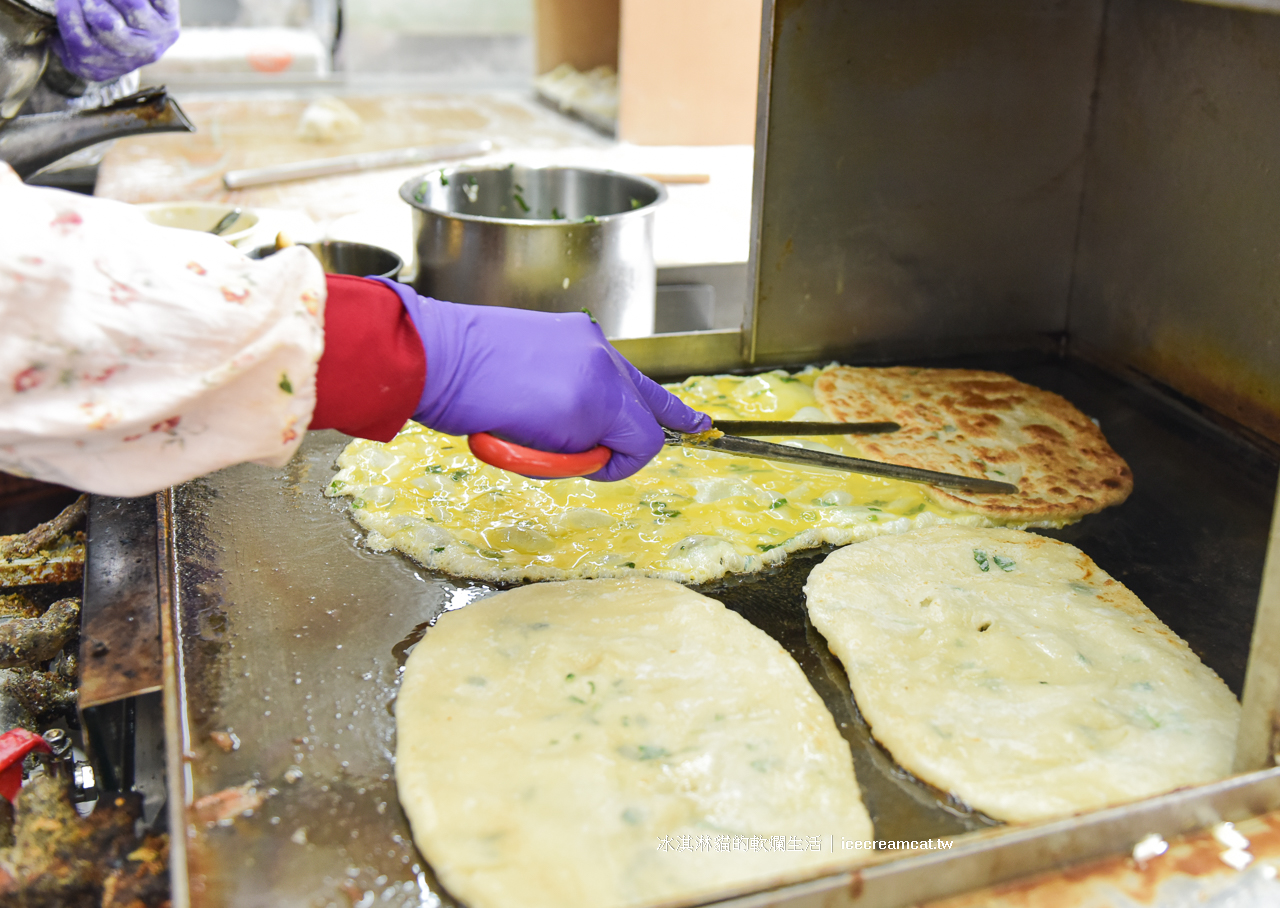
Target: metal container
<point x="342" y="257"/>
<point x="555" y="239"/>
<point x="24" y="34"/>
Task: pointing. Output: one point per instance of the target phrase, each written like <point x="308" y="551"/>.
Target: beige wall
<point x="688" y="70"/>
<point x="581" y="32"/>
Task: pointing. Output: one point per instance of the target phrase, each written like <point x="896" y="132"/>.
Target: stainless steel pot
<point x="556" y="239"/>
<point x="24" y="33"/>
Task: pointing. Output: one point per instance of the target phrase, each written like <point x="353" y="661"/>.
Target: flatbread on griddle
<point x="1011" y="671"/>
<point x="983" y="424"/>
<point x="607" y="743"/>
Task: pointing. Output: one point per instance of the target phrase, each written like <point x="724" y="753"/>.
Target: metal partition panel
<point x="920" y="166"/>
<point x="1179" y="266"/>
<point x="1259" y="741"/>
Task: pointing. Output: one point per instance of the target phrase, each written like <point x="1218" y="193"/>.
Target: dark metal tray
<point x="291" y="635"/>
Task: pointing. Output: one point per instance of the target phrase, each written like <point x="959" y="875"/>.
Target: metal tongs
<point x="728" y="436"/>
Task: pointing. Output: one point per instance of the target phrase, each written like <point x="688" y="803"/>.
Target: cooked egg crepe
<point x="1011" y="671"/>
<point x="690" y="515"/>
<point x="616" y="743"/>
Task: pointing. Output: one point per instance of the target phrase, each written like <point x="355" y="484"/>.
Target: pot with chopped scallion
<point x="554" y="239"/>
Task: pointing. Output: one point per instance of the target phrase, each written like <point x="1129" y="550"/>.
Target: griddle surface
<point x="293" y="635"/>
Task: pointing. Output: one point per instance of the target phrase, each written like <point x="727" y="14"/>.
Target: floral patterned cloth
<point x="134" y="356"/>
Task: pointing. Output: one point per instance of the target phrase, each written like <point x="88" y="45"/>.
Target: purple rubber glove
<point x="101" y="40"/>
<point x="545" y="380"/>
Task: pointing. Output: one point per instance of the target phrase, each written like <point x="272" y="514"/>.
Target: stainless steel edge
<point x="678" y="355"/>
<point x="120" y="650"/>
<point x="990" y="857"/>
<point x="1258" y="6"/>
<point x="175" y="745"/>
<point x="917" y="350"/>
<point x="663" y="356"/>
<point x="763" y="96"/>
<point x="1259" y="741"/>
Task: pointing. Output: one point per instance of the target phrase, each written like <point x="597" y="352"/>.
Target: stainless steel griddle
<point x="290" y="636"/>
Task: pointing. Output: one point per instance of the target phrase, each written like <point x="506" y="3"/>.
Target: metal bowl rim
<point x="261" y="252"/>
<point x="407" y="188"/>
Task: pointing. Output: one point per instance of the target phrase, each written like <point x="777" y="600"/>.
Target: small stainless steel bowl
<point x="342" y="257"/>
<point x="556" y="239"/>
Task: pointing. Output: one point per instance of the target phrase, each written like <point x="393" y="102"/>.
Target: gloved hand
<point x="544" y="380"/>
<point x="101" y="40"/>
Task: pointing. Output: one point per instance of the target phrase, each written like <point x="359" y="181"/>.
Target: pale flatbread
<point x="1010" y="670"/>
<point x="558" y="744"/>
<point x="984" y="424"/>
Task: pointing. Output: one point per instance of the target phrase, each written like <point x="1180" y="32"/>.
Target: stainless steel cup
<point x="556" y="239"/>
<point x="341" y="257"/>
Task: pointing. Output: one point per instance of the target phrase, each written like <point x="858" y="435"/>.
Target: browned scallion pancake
<point x="984" y="424"/>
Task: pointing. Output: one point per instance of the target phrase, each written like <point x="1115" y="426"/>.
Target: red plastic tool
<point x="14" y="747"/>
<point x="507" y="455"/>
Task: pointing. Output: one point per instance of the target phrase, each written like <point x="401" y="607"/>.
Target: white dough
<point x="328" y="119"/>
<point x="1037" y="687"/>
<point x="550" y="738"/>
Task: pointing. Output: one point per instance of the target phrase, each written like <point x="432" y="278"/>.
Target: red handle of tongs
<point x="507" y="455"/>
<point x="15" y="744"/>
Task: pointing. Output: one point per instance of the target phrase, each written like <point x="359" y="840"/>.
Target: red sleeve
<point x="371" y="375"/>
